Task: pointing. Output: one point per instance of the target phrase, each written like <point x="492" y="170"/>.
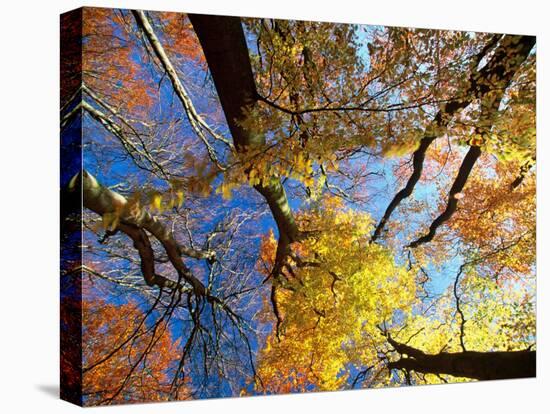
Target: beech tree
<point x="281" y="206"/>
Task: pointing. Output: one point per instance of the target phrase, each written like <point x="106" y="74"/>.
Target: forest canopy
<point x="275" y="206"/>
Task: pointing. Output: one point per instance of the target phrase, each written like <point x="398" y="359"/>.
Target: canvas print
<point x="256" y="206"/>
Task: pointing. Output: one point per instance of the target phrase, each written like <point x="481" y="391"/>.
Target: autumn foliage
<point x="126" y="357"/>
<point x="277" y="206"/>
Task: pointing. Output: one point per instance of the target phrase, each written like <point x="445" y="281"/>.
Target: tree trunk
<point x="224" y="45"/>
<point x="469" y="364"/>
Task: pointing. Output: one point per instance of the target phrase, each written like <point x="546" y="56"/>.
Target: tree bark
<point x="469" y="364"/>
<point x="224" y="46"/>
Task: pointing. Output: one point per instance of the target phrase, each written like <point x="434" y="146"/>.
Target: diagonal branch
<point x="513" y="50"/>
<point x="523" y="171"/>
<point x="460" y="181"/>
<point x="198" y="124"/>
<point x="102" y="200"/>
<point x="494" y="76"/>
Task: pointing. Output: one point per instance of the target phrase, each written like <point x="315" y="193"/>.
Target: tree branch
<point x="512" y="53"/>
<point x="226" y="53"/>
<point x="494" y="76"/>
<point x="197" y="122"/>
<point x="102" y="200"/>
<point x="524" y="169"/>
<point x="469" y="364"/>
<point x="460" y="181"/>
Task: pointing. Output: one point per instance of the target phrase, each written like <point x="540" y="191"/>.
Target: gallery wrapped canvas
<point x="256" y="206"/>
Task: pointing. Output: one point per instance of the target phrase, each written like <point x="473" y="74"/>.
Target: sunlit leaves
<point x="126" y="357"/>
<point x="502" y="235"/>
<point x="341" y="289"/>
<point x="112" y="56"/>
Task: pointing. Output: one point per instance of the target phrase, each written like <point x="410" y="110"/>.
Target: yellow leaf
<point x="179" y="198"/>
<point x="156" y="202"/>
<point x="110" y="221"/>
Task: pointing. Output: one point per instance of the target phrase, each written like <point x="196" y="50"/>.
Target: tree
<point x="330" y="301"/>
<point x="295" y="206"/>
<point x="126" y="357"/>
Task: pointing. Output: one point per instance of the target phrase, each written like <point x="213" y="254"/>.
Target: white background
<point x="29" y="204"/>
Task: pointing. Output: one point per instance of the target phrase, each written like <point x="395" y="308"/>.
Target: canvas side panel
<point x="71" y="208"/>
